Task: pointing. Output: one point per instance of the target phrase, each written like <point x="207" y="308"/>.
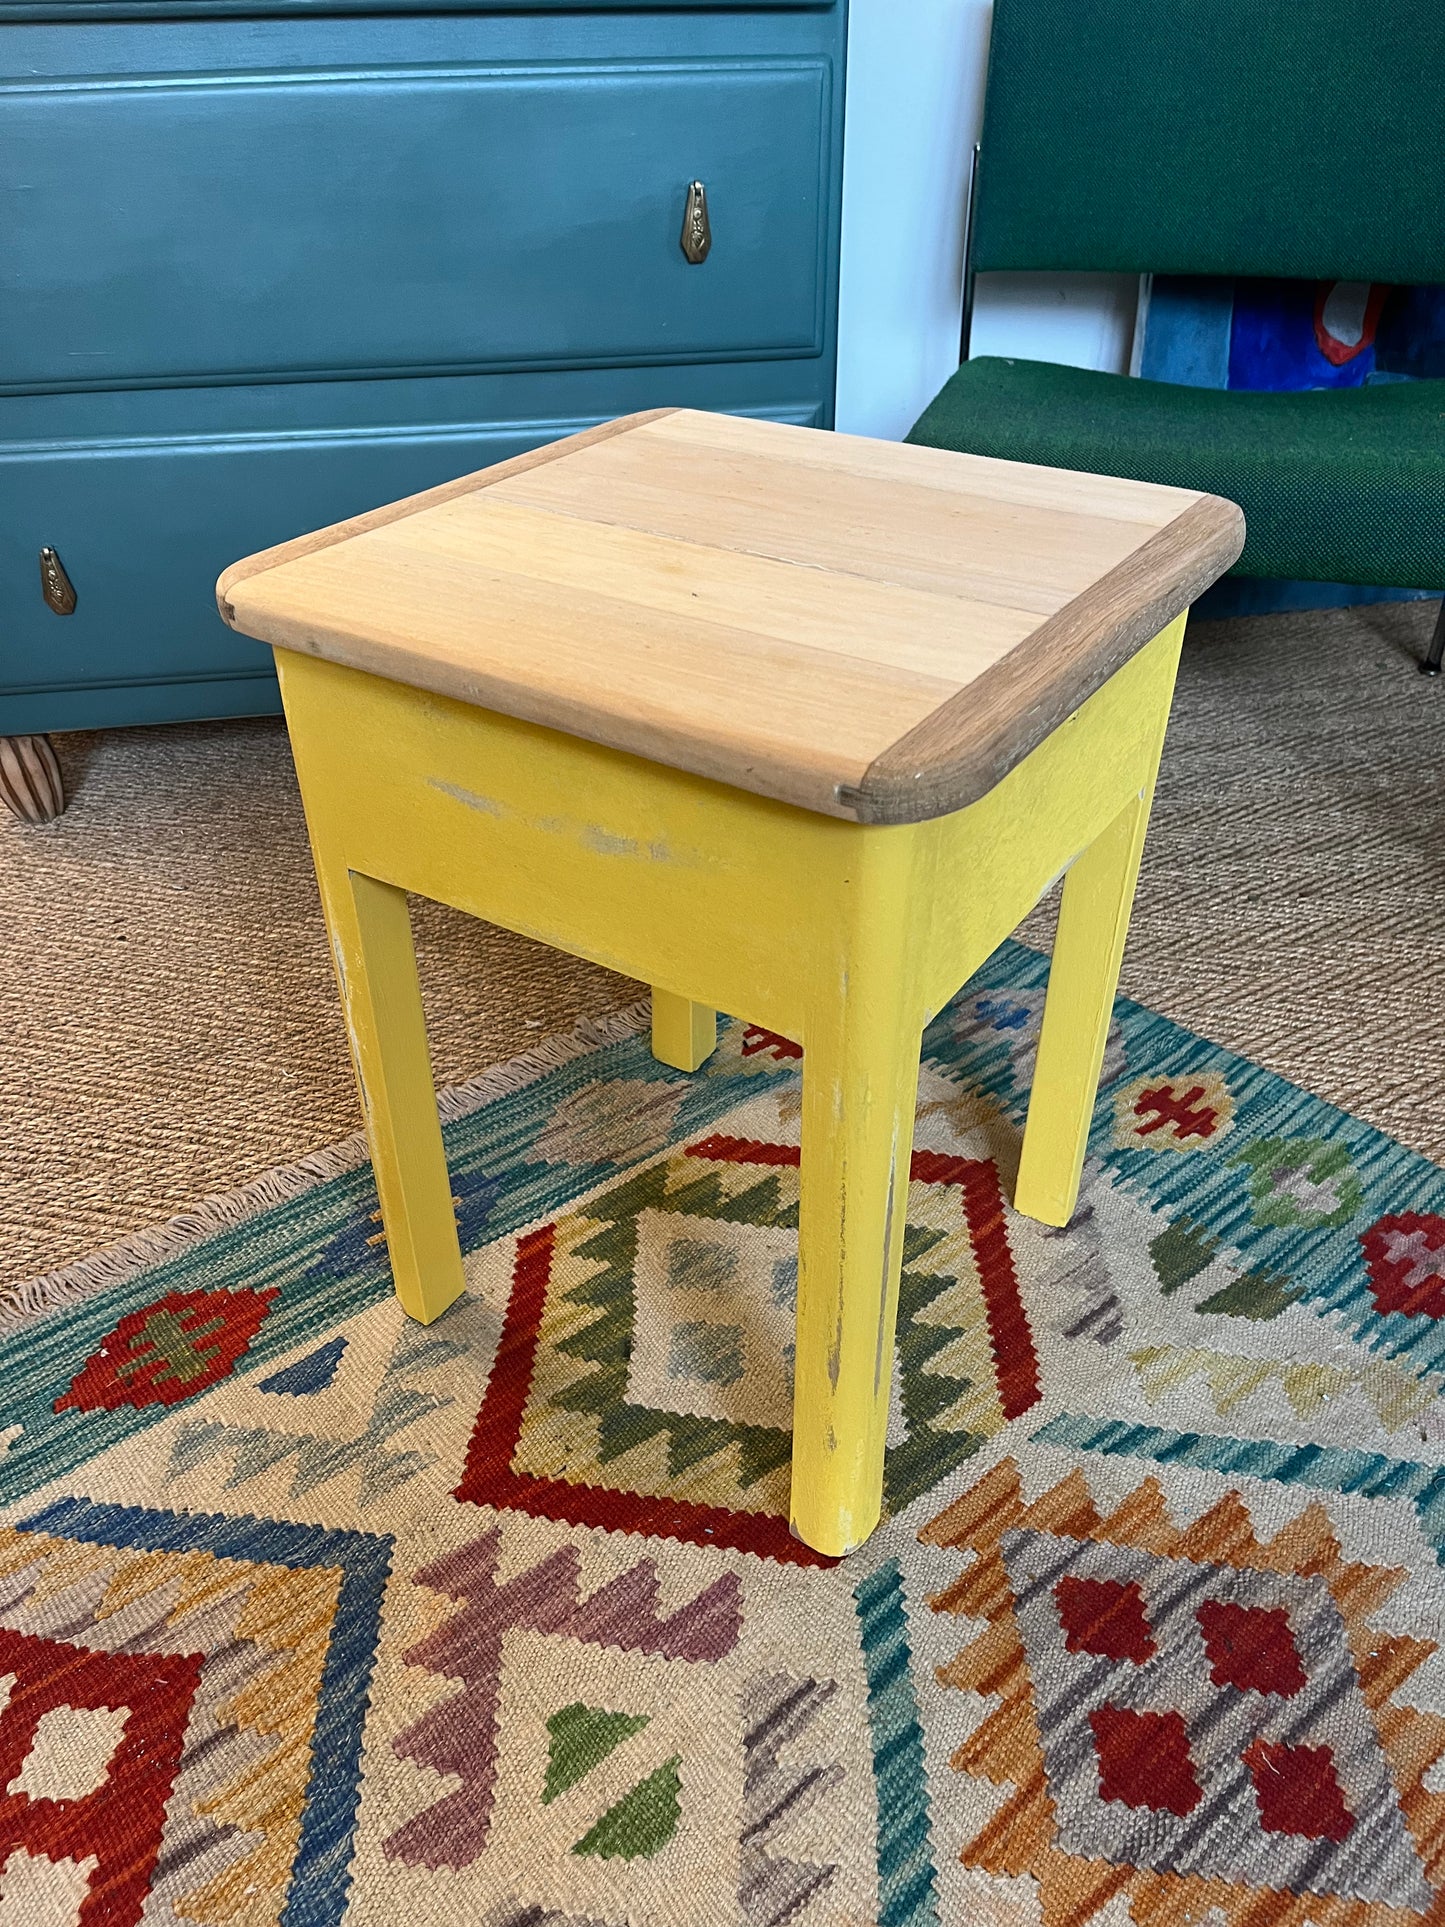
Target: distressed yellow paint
<point x="845" y="936"/>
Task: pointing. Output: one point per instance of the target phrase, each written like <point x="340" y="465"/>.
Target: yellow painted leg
<point x="381" y="1000"/>
<point x="1088" y="949"/>
<point x="684" y="1034"/>
<point x="860" y="1087"/>
<point x="1084" y="975"/>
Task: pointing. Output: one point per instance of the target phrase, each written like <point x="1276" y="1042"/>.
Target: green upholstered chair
<point x="1222" y="137"/>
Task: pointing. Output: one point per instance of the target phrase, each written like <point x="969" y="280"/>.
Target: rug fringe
<point x="142" y="1249"/>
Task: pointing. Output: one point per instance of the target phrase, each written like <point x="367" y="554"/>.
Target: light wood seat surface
<point x="869" y="630"/>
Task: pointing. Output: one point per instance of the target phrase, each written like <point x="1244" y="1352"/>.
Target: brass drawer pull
<point x="55" y="584"/>
<point x="696" y="227"/>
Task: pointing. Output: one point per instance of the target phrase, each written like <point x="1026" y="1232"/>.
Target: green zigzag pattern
<point x="913" y="1467"/>
<point x="606" y="1344"/>
<point x="926" y="1456"/>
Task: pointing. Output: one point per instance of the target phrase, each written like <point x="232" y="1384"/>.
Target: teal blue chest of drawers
<point x="266" y="266"/>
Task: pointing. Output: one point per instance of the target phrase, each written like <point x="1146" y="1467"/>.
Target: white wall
<point x="915" y="101"/>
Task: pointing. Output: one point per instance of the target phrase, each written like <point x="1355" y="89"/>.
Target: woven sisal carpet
<point x="311" y="1615"/>
<point x="168" y="1025"/>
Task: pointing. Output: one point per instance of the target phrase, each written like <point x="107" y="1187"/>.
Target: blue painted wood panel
<point x="335" y="251"/>
<point x="240" y="227"/>
<point x="143" y="530"/>
<point x="75" y="10"/>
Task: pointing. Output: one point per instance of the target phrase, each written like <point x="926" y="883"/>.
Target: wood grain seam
<point x="974" y="596"/>
<point x="265" y="560"/>
<point x="451" y="675"/>
<point x="940" y="478"/>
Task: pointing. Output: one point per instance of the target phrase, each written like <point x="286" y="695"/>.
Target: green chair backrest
<point x="1269" y="137"/>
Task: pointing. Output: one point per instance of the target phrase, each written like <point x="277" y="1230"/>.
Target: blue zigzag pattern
<point x="320" y="1873"/>
<point x="906" y="1880"/>
<point x="1321" y="1468"/>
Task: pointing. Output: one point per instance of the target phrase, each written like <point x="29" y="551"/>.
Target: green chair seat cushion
<point x="1337" y="485"/>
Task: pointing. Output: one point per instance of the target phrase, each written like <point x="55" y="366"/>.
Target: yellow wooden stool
<point x="787" y="724"/>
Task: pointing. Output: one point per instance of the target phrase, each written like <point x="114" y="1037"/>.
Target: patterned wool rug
<point x="310" y="1615"/>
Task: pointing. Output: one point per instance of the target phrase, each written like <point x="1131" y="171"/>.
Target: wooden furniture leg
<point x="860" y="1090"/>
<point x="1083" y="978"/>
<point x="684" y="1034"/>
<point x="31" y="786"/>
<point x="371" y="945"/>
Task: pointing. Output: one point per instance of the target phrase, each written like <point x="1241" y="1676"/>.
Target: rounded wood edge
<point x="273" y="558"/>
<point x="31" y="786"/>
<point x="973" y="740"/>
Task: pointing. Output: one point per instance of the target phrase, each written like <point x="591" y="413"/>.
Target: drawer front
<point x="249" y="226"/>
<point x="172" y="10"/>
<point x="143" y="530"/>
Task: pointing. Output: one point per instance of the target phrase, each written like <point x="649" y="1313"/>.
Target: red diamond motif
<point x="168" y="1351"/>
<point x="1144" y="1760"/>
<point x="1251" y="1647"/>
<point x="1106" y="1617"/>
<point x="1297" y="1790"/>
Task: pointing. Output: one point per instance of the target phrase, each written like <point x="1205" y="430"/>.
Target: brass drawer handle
<point x="55" y="584"/>
<point x="696" y="227"/>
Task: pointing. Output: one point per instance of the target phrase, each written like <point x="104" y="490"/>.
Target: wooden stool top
<point x="870" y="630"/>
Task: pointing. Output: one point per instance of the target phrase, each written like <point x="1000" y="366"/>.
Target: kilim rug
<point x="309" y="1615"/>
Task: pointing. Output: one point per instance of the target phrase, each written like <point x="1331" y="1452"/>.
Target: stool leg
<point x="381" y="1001"/>
<point x="684" y="1034"/>
<point x="860" y="1088"/>
<point x="1088" y="949"/>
